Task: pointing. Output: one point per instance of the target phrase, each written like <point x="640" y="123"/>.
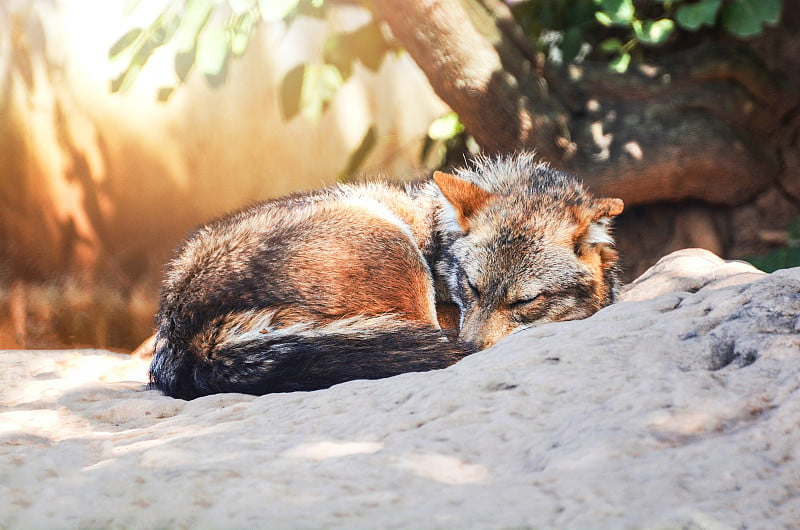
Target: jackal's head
<point x="529" y="246"/>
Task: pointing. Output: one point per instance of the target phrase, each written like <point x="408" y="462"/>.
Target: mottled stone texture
<point x="678" y="407"/>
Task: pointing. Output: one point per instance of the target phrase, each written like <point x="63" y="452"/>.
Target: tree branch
<point x="682" y="130"/>
<point x="468" y="73"/>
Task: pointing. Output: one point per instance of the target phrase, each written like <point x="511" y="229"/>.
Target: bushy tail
<point x="244" y="355"/>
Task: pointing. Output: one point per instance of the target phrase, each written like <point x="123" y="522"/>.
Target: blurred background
<point x="124" y="123"/>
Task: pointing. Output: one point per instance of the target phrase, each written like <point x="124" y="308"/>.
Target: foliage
<point x="782" y="258"/>
<point x="207" y="34"/>
<point x="197" y="40"/>
<point x="447" y="141"/>
<point x="569" y="29"/>
<point x="310" y="87"/>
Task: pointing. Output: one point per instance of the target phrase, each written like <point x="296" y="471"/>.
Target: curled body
<point x="370" y="280"/>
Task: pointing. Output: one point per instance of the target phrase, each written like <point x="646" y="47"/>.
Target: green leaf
<point x="425" y="150"/>
<point x="445" y="127"/>
<point x="371" y="46"/>
<point x="357" y="158"/>
<point x="571" y="43"/>
<point x="276" y="10"/>
<point x="169" y="27"/>
<point x="615" y="12"/>
<point x="321" y="82"/>
<point x="241" y="31"/>
<point x="291" y="87"/>
<point x="125" y="42"/>
<point x="239" y="43"/>
<point x="653" y="32"/>
<point x="124" y="81"/>
<point x="693" y="16"/>
<point x="620" y="63"/>
<point x="745" y="18"/>
<point x="164" y="93"/>
<point x="184" y="62"/>
<point x="195" y="17"/>
<point x="611" y="45"/>
<point x="580" y="12"/>
<point x="603" y="18"/>
<point x="771" y="11"/>
<point x="166" y="27"/>
<point x="212" y="51"/>
<point x="338" y="51"/>
<point x="739" y="18"/>
<point x="365" y="44"/>
<point x="307" y="89"/>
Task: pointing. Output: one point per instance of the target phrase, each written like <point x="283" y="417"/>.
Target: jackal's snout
<point x="483" y="328"/>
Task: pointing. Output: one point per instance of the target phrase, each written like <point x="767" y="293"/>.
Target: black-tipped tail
<point x="301" y="357"/>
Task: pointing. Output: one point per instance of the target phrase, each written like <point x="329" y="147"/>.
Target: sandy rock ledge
<point x="677" y="407"/>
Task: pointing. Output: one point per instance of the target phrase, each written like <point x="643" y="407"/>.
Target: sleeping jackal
<point x="344" y="283"/>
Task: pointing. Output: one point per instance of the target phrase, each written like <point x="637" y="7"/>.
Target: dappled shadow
<point x="99" y="188"/>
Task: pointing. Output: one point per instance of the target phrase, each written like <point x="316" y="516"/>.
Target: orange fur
<point x="464" y="196"/>
<point x="360" y="264"/>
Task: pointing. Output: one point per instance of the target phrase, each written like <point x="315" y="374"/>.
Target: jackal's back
<point x="298" y="293"/>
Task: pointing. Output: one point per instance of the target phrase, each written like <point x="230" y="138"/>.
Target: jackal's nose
<point x="480" y="343"/>
<point x="483" y="332"/>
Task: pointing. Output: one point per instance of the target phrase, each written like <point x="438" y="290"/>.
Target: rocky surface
<point x="678" y="407"/>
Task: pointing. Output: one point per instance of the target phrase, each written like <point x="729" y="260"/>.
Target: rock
<point x="677" y="407"/>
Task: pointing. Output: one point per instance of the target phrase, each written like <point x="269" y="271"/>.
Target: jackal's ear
<point x="465" y="197"/>
<point x="594" y="221"/>
<point x="606" y="208"/>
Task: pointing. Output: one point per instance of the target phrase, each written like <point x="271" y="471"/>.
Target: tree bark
<point x="694" y="126"/>
<point x="492" y="94"/>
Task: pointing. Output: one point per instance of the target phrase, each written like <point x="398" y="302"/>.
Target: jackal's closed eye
<point x="520" y="303"/>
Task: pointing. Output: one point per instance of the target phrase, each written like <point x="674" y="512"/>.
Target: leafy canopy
<point x="569" y="29"/>
<point x="207" y="34"/>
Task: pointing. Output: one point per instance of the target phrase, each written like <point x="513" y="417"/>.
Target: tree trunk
<point x="695" y="126"/>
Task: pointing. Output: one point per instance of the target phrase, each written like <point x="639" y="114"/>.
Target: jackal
<point x="358" y="281"/>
